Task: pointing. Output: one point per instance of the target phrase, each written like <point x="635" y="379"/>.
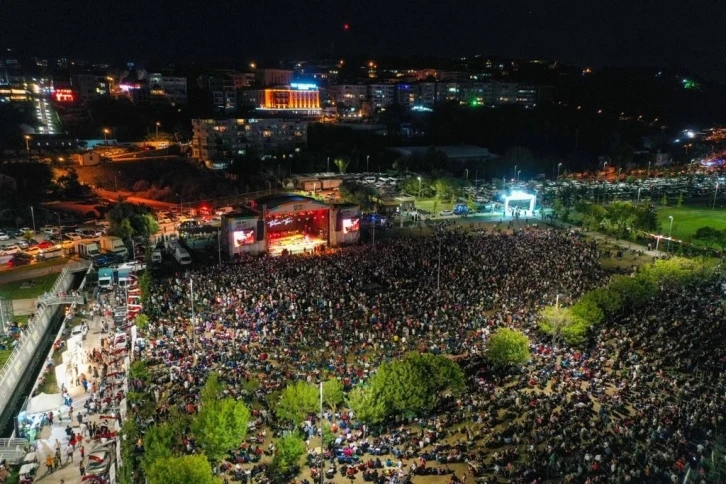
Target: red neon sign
<point x="64" y="95"/>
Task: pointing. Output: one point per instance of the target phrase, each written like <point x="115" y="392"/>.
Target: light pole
<point x="518" y="172"/>
<point x="647" y="175"/>
<point x="714" y="197"/>
<point x="191" y="295"/>
<point x="328" y="171"/>
<point x="419" y="187"/>
<point x="559" y="165"/>
<point x="670" y="229"/>
<point x="156" y="138"/>
<point x="368" y="159"/>
<point x="438" y="272"/>
<point x="27" y="144"/>
<point x="32" y="214"/>
<point x="515" y="170"/>
<point x="467" y="174"/>
<point x="105" y="136"/>
<point x="639" y="188"/>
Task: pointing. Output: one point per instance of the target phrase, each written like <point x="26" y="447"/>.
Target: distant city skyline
<point x="665" y="34"/>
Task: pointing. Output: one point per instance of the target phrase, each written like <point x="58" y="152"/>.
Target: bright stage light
<point x="518" y="196"/>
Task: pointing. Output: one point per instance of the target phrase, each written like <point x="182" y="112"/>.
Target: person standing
<point x="69" y="454"/>
<point x="82" y="469"/>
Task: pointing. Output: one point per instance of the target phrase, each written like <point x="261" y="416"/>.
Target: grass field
<point x="42" y="284"/>
<point x="686" y="220"/>
<point x="428" y="204"/>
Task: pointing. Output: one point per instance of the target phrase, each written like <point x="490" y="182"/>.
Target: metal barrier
<point x="12" y="370"/>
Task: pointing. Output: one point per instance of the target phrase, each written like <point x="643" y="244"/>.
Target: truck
<point x="123" y="277"/>
<point x="156" y="256"/>
<point x="88" y="249"/>
<point x="114" y="245"/>
<point x="182" y="256"/>
<point x="105" y="277"/>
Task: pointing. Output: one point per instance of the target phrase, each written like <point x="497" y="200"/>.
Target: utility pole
<point x="32" y="214"/>
<point x="713" y="207"/>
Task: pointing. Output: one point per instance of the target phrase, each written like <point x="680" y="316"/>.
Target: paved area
<point x="69" y="471"/>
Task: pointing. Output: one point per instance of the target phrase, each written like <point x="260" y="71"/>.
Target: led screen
<point x="351" y="225"/>
<point x="244" y="237"/>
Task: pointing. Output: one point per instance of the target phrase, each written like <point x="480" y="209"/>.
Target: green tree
<point x="142" y="321"/>
<point x="332" y="393"/>
<point x="367" y="407"/>
<point x="159" y="442"/>
<point x="186" y="469"/>
<point x="711" y="236"/>
<point x="342" y="164"/>
<point x="664" y="200"/>
<point x="553" y="320"/>
<point x="289" y="449"/>
<point x="358" y="194"/>
<point x="298" y="399"/>
<point x="220" y="424"/>
<point x="145" y="287"/>
<point x="679" y="200"/>
<point x="607" y="300"/>
<point x="416" y="384"/>
<point x="508" y="347"/>
<point x="633" y="292"/>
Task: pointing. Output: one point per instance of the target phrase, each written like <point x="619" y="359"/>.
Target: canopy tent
<point x="44" y="403"/>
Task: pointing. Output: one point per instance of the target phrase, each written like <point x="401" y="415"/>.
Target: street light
<point x="32" y="214"/>
<point x="368" y="159"/>
<point x="27" y="144"/>
<point x="670" y="229"/>
<point x="328" y="165"/>
<point x="157" y="131"/>
<point x="467" y="173"/>
<point x="559" y="165"/>
<point x="518" y="172"/>
<point x="419" y="187"/>
<point x="647" y="175"/>
<point x="639" y="188"/>
<point x="105" y="136"/>
<point x="515" y="169"/>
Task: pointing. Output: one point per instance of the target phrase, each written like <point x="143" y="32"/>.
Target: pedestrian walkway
<point x="53" y="435"/>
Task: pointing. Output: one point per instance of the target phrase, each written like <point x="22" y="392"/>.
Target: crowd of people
<point x="628" y="408"/>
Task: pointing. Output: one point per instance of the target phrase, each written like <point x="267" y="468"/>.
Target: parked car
<point x="10" y="249"/>
<point x="33" y="251"/>
<point x="446" y="213"/>
<point x="23" y="244"/>
<point x="45" y="245"/>
<point x="4" y="236"/>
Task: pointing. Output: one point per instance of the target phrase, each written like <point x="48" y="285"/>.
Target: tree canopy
<point x="298" y="399"/>
<point x="508" y="347"/>
<point x="221" y="423"/>
<point x="332" y="393"/>
<point x="188" y="468"/>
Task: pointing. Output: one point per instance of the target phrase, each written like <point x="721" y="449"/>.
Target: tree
<point x="416" y="384"/>
<point x="711" y="236"/>
<point x="287" y="455"/>
<point x="142" y="321"/>
<point x="664" y="200"/>
<point x="553" y="319"/>
<point x="70" y="187"/>
<point x="220" y="424"/>
<point x="342" y="164"/>
<point x="298" y="399"/>
<point x="332" y="393"/>
<point x="159" y="441"/>
<point x="185" y="469"/>
<point x="607" y="300"/>
<point x="368" y="409"/>
<point x="358" y="194"/>
<point x="508" y="347"/>
<point x="633" y="292"/>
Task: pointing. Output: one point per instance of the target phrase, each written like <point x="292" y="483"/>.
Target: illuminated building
<point x="225" y="139"/>
<point x="349" y="95"/>
<point x="274" y="77"/>
<point x="301" y="98"/>
<point x="168" y="89"/>
<point x="14" y="93"/>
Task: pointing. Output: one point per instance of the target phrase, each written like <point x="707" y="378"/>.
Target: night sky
<point x="659" y="33"/>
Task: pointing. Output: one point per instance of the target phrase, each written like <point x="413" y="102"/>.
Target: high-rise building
<point x="224" y="139"/>
<point x="274" y="77"/>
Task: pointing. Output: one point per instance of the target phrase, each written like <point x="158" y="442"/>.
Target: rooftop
<point x="454" y="152"/>
<point x="273" y="201"/>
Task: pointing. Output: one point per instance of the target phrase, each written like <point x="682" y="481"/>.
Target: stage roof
<point x="274" y="201"/>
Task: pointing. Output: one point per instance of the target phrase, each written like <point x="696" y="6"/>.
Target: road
<point x="129" y="197"/>
<point x="12" y="275"/>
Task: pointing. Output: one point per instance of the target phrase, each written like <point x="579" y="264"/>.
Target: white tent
<point x="44" y="403"/>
